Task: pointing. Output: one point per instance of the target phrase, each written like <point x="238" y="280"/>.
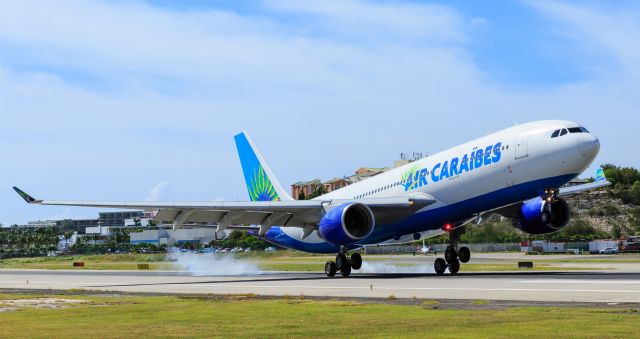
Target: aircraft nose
<point x="589" y="145"/>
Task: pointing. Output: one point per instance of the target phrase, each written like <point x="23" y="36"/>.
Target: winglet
<point x="600" y="175"/>
<point x="29" y="199"/>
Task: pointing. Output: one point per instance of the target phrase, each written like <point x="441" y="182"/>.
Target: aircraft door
<point x="522" y="146"/>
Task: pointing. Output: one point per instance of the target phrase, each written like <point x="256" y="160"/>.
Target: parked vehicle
<point x="632" y="244"/>
<point x="596" y="246"/>
<point x="609" y="250"/>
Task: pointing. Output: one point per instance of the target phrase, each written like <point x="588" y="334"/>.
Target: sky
<point x="140" y="100"/>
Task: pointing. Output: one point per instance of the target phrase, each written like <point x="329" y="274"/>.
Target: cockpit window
<point x="555" y="133"/>
<point x="584" y="130"/>
<point x="563" y="132"/>
<point x="576" y="130"/>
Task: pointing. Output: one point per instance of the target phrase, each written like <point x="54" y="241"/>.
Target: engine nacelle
<point x="347" y="223"/>
<point x="539" y="216"/>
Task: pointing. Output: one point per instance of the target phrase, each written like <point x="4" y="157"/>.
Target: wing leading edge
<point x="291" y="213"/>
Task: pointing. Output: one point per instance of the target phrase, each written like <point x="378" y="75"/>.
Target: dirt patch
<point x="49" y="303"/>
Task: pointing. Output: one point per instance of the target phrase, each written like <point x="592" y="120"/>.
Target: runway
<point x="607" y="287"/>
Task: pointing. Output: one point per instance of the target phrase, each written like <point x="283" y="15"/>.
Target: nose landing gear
<point x="343" y="265"/>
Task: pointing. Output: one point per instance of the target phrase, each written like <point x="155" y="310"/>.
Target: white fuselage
<point x="519" y="159"/>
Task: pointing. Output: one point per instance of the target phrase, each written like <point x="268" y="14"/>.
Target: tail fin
<point x="600" y="175"/>
<point x="261" y="183"/>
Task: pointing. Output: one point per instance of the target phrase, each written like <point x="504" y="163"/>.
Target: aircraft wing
<point x="293" y="213"/>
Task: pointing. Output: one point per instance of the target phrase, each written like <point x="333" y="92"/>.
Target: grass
<point x="578" y="260"/>
<point x="93" y="262"/>
<point x="134" y="316"/>
<point x="514" y="267"/>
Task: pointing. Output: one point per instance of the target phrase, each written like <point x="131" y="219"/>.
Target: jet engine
<point x="541" y="216"/>
<point x="347" y="223"/>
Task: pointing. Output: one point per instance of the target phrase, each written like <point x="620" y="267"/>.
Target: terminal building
<point x="141" y="225"/>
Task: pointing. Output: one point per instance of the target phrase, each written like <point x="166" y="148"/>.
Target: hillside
<point x="605" y="211"/>
<point x="611" y="212"/>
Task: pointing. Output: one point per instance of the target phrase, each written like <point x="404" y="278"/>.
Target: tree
<point x="320" y="190"/>
<point x="616" y="232"/>
<point x="625" y="176"/>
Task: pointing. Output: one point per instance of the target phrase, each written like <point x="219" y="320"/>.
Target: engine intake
<point x="540" y="216"/>
<point x="347" y="223"/>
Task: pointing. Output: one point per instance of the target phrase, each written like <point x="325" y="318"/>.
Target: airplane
<point x="516" y="173"/>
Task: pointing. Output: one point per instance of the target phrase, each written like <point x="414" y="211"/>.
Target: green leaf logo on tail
<point x="261" y="188"/>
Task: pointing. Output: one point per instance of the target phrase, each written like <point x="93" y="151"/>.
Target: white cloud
<point x="157" y="192"/>
<point x="378" y="22"/>
<point x="602" y="29"/>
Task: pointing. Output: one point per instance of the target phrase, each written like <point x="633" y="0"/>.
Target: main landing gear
<point x="343" y="265"/>
<point x="452" y="255"/>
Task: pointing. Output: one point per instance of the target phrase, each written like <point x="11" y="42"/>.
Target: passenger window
<point x="564" y="131"/>
<point x="555" y="133"/>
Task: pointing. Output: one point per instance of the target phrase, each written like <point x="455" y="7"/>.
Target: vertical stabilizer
<point x="600" y="175"/>
<point x="261" y="183"/>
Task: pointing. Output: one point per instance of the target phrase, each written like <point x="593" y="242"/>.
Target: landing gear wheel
<point x="341" y="261"/>
<point x="346" y="270"/>
<point x="454" y="267"/>
<point x="439" y="266"/>
<point x="356" y="261"/>
<point x="464" y="254"/>
<point x="330" y="268"/>
<point x="450" y="255"/>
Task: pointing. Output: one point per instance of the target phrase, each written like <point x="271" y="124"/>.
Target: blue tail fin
<point x="600" y="175"/>
<point x="261" y="183"/>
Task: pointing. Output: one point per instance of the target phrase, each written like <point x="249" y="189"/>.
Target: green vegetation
<point x="132" y="316"/>
<point x="501" y="232"/>
<point x="28" y="241"/>
<point x="577" y="230"/>
<point x="624" y="176"/>
<point x="241" y="239"/>
<point x="320" y="190"/>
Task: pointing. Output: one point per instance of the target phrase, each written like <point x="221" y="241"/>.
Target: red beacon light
<point x="447" y="227"/>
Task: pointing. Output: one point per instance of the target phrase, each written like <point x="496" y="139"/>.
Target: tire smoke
<point x="201" y="264"/>
<point x="375" y="267"/>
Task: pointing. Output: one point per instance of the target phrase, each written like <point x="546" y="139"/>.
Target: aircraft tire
<point x="464" y="254"/>
<point x="450" y="255"/>
<point x="454" y="267"/>
<point x="439" y="266"/>
<point x="330" y="269"/>
<point x="356" y="261"/>
<point x="346" y="271"/>
<point x="342" y="262"/>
